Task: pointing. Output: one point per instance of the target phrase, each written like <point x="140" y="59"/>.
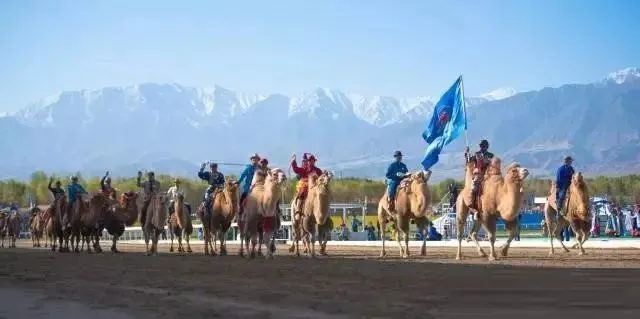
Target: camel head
<point x="516" y="174"/>
<point x="97" y="199"/>
<point x="579" y="195"/>
<point x="127" y="198"/>
<point x="417" y="186"/>
<point x="231" y="186"/>
<point x="322" y="183"/>
<point x="277" y="176"/>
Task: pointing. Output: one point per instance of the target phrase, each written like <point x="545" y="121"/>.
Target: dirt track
<point x="351" y="283"/>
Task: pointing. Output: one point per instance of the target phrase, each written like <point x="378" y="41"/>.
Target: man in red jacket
<point x="303" y="185"/>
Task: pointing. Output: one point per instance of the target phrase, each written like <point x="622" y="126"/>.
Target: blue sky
<point x="397" y="48"/>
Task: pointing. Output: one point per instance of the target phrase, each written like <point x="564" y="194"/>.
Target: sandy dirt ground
<point x="351" y="283"/>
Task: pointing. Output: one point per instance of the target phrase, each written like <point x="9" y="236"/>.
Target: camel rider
<point x="481" y="160"/>
<point x="246" y="179"/>
<point x="150" y="187"/>
<point x="563" y="181"/>
<point x="215" y="180"/>
<point x="57" y="191"/>
<point x="107" y="189"/>
<point x="73" y="190"/>
<point x="173" y="193"/>
<point x="396" y="172"/>
<point x="303" y="185"/>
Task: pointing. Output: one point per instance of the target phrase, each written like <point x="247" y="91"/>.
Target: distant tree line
<point x="624" y="189"/>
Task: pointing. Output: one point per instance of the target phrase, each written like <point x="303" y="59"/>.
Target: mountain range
<point x="173" y="128"/>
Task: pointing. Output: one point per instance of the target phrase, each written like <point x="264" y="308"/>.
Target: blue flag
<point x="448" y="121"/>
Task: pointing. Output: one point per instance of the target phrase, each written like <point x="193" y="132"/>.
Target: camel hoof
<point x="458" y="257"/>
<point x="189" y="250"/>
<point x="566" y="250"/>
<point x="77" y="250"/>
<point x="241" y="254"/>
<point x="170" y="249"/>
<point x="503" y="252"/>
<point x="291" y="249"/>
<point x="582" y="253"/>
<point x="252" y="255"/>
<point x="260" y="253"/>
<point x="493" y="258"/>
<point x="223" y="253"/>
<point x="383" y="254"/>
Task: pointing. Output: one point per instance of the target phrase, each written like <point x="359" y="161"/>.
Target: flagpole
<point x="464" y="107"/>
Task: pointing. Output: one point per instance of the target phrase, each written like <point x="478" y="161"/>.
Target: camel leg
<point x="462" y="213"/>
<point x="512" y="227"/>
<point x="489" y="223"/>
<point x="180" y="248"/>
<point x="254" y="243"/>
<point x="223" y="242"/>
<point x="170" y="231"/>
<point x="403" y="229"/>
<point x="86" y="239"/>
<point x="260" y="240"/>
<point x="114" y="240"/>
<point x="97" y="236"/>
<point x="294" y="223"/>
<point x="241" y="252"/>
<point x="423" y="223"/>
<point x="382" y="220"/>
<point x="186" y="238"/>
<point x="579" y="236"/>
<point x="557" y="233"/>
<point x="214" y="240"/>
<point x="267" y="245"/>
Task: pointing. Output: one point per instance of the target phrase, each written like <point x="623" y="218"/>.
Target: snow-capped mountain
<point x="170" y="125"/>
<point x="499" y="94"/>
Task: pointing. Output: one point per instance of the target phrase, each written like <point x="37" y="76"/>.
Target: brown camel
<point x="154" y="222"/>
<point x="316" y="213"/>
<point x="180" y="224"/>
<point x="3" y="228"/>
<point x="92" y="221"/>
<point x="79" y="208"/>
<point x="61" y="223"/>
<point x="296" y="229"/>
<point x="578" y="214"/>
<point x="413" y="202"/>
<point x="500" y="197"/>
<point x="270" y="222"/>
<point x="13" y="228"/>
<point x="250" y="221"/>
<point x="36" y="226"/>
<point x="46" y="219"/>
<point x="52" y="227"/>
<point x="223" y="211"/>
<point x="123" y="214"/>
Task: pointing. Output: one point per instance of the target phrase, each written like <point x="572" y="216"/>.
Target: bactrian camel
<point x="180" y="224"/>
<point x="500" y="197"/>
<point x="412" y="202"/>
<point x="259" y="218"/>
<point x="316" y="224"/>
<point x="153" y="222"/>
<point x="223" y="209"/>
<point x="578" y="213"/>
